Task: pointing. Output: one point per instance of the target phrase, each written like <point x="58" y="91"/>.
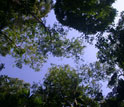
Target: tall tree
<point x="87" y="16"/>
<point x="62" y="87"/>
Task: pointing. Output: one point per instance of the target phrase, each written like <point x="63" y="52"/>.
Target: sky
<point x="29" y="75"/>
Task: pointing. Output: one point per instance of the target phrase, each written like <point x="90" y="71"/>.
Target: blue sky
<point x="29" y="75"/>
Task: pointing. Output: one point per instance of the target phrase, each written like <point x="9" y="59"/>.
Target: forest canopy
<point x="26" y="36"/>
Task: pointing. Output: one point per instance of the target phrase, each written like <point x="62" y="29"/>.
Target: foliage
<point x="62" y="87"/>
<point x="111" y="51"/>
<point x="13" y="92"/>
<point x="16" y="93"/>
<point x="18" y="12"/>
<point x="111" y="47"/>
<point x="93" y="75"/>
<point x="33" y="49"/>
<point x="87" y="16"/>
<point x="26" y="37"/>
<point x="18" y="20"/>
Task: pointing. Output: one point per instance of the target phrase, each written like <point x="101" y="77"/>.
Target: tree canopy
<point x="25" y="36"/>
<point x="111" y="47"/>
<point x="62" y="86"/>
<point x="87" y="16"/>
<point x="13" y="92"/>
<point x="20" y="12"/>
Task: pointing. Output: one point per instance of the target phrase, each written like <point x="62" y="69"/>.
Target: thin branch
<point x="40" y="21"/>
<point x="9" y="39"/>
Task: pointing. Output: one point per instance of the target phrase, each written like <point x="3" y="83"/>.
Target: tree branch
<point x="9" y="39"/>
<point x="39" y="21"/>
